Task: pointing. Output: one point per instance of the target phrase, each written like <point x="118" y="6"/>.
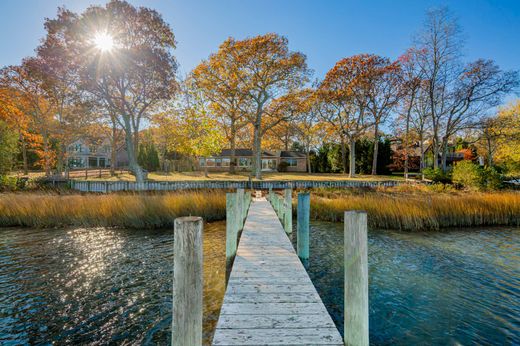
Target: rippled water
<point x="442" y="288"/>
<point x="102" y="286"/>
<point x="98" y="286"/>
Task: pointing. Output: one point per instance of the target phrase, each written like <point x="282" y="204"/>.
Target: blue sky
<point x="325" y="31"/>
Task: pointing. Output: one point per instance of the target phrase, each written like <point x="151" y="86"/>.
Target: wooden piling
<point x="356" y="279"/>
<point x="231" y="228"/>
<point x="240" y="207"/>
<point x="288" y="211"/>
<point x="302" y="226"/>
<point x="187" y="281"/>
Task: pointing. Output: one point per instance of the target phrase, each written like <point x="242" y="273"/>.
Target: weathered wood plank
<point x="270" y="299"/>
<point x="275" y="321"/>
<point x="297" y="336"/>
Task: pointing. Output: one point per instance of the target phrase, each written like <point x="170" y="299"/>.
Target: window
<point x="210" y="162"/>
<point x="244" y="162"/>
<point x="202" y="162"/>
<point x="218" y="162"/>
<point x="93" y="149"/>
<point x="76" y="148"/>
<point x="226" y="162"/>
<point x="291" y="162"/>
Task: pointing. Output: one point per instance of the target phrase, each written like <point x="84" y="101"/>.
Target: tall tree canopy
<point x="121" y="56"/>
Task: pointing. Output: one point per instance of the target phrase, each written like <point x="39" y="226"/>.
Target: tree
<point x="266" y="71"/>
<point x="410" y="84"/>
<point x="457" y="94"/>
<point x="343" y="103"/>
<point x="29" y="84"/>
<point x="384" y="92"/>
<point x="8" y="147"/>
<point x="218" y="79"/>
<point x="121" y="56"/>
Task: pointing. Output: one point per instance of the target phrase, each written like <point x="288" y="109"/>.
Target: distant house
<point x="87" y="153"/>
<point x="271" y="159"/>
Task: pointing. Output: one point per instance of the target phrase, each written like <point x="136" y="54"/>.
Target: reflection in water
<point x="101" y="286"/>
<point x="456" y="287"/>
<point x="98" y="286"/>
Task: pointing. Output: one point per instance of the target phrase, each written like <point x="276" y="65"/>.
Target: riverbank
<point x="137" y="211"/>
<point x="416" y="209"/>
<point x="409" y="208"/>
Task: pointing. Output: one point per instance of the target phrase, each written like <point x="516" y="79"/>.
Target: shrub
<point x="8" y="183"/>
<point x="437" y="175"/>
<point x="282" y="166"/>
<point x="467" y="174"/>
<point x="491" y="179"/>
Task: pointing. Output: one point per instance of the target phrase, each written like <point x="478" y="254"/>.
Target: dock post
<point x="231" y="228"/>
<point x="240" y="207"/>
<point x="288" y="211"/>
<point x="187" y="281"/>
<point x="302" y="227"/>
<point x="270" y="195"/>
<point x="356" y="279"/>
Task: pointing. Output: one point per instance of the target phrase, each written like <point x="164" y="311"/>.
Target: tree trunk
<point x="206" y="168"/>
<point x="257" y="152"/>
<point x="490" y="153"/>
<point x="130" y="148"/>
<point x="24" y="155"/>
<point x="406" y="139"/>
<point x="47" y="165"/>
<point x="344" y="154"/>
<point x="233" y="147"/>
<point x="444" y="155"/>
<point x="376" y="149"/>
<point x="309" y="168"/>
<point x="352" y="149"/>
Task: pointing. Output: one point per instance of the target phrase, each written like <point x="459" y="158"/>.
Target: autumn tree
<point x="383" y="79"/>
<point x="218" y="78"/>
<point x="343" y="103"/>
<point x="122" y="58"/>
<point x="30" y="84"/>
<point x="266" y="71"/>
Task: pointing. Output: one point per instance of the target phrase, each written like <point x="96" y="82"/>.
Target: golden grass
<point x="115" y="210"/>
<point x="413" y="209"/>
<point x="267" y="176"/>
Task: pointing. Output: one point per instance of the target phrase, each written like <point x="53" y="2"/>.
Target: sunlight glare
<point x="104" y="42"/>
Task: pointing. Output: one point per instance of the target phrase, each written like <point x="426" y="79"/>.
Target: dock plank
<point x="270" y="299"/>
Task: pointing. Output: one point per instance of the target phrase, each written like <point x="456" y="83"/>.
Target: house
<point x="89" y="153"/>
<point x="271" y="160"/>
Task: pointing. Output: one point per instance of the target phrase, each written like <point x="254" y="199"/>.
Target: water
<point x="442" y="288"/>
<point x="98" y="286"/>
<point x="102" y="286"/>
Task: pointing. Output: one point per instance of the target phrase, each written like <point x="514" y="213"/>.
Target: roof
<point x="265" y="153"/>
<point x="292" y="154"/>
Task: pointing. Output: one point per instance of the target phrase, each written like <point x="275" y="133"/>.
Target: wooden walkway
<point x="270" y="299"/>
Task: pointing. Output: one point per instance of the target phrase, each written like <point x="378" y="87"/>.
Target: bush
<point x="491" y="179"/>
<point x="8" y="183"/>
<point x="437" y="175"/>
<point x="467" y="174"/>
<point x="282" y="166"/>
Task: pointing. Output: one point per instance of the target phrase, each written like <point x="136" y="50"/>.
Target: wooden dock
<point x="270" y="299"/>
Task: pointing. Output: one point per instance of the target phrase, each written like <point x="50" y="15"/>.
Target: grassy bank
<point x="115" y="210"/>
<point x="412" y="209"/>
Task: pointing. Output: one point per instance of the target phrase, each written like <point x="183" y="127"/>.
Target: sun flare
<point x="104" y="42"/>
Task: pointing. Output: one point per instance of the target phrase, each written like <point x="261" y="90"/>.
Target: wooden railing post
<point x="231" y="228"/>
<point x="302" y="227"/>
<point x="356" y="279"/>
<point x="187" y="281"/>
<point x="240" y="207"/>
<point x="288" y="211"/>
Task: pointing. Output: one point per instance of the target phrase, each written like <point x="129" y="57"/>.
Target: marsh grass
<point x="141" y="211"/>
<point x="418" y="209"/>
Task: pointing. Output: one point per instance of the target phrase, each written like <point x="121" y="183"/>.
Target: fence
<point x="110" y="186"/>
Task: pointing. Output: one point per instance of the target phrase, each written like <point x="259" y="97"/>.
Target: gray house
<point x="84" y="153"/>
